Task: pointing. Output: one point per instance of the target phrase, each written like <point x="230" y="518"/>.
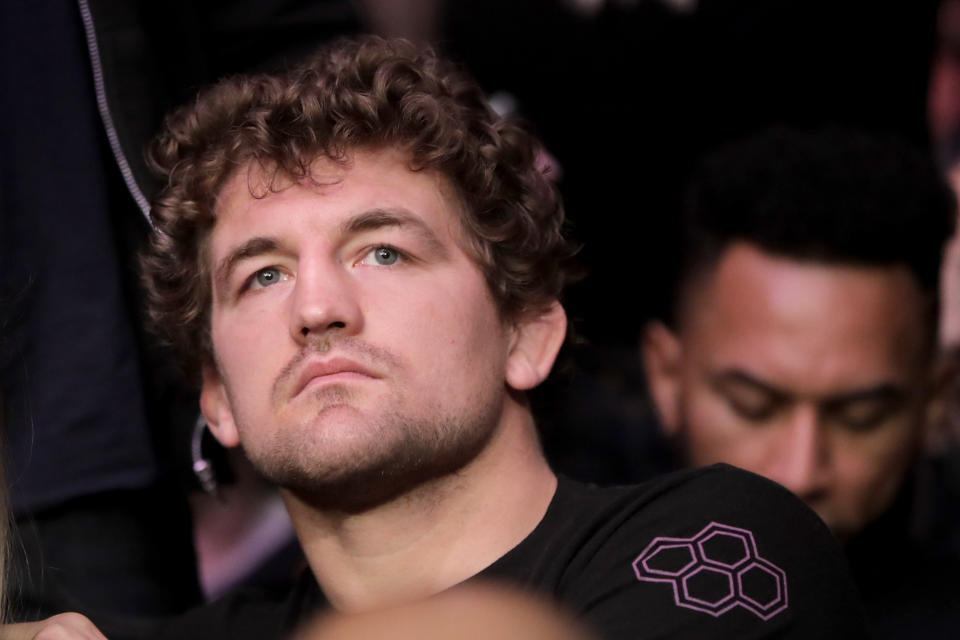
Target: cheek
<point x="455" y="311"/>
<point x="875" y="463"/>
<point x="460" y="340"/>
<point x="249" y="342"/>
<point x="471" y="331"/>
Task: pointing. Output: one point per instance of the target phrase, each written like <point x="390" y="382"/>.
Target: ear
<point x="216" y="408"/>
<point x="535" y="343"/>
<point x="662" y="355"/>
<point x="937" y="434"/>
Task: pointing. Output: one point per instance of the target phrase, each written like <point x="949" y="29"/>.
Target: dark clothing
<point x="907" y="564"/>
<point x="122" y="552"/>
<point x="87" y="421"/>
<point x="84" y="461"/>
<point x="710" y="553"/>
<point x="75" y="421"/>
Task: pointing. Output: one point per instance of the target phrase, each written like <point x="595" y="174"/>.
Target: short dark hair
<point x="831" y="195"/>
<point x="365" y="93"/>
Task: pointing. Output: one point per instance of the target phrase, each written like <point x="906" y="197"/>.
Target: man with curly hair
<point x="362" y="264"/>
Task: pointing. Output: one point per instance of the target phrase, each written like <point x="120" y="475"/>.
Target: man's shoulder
<point x="713" y="552"/>
<point x="673" y="503"/>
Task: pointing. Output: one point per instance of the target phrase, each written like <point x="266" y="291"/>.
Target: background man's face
<point x="811" y="374"/>
<point x="357" y="344"/>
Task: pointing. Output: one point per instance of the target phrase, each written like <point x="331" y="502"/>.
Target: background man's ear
<point x="216" y="408"/>
<point x="535" y="343"/>
<point x="662" y="355"/>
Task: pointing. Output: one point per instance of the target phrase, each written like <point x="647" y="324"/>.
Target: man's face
<point x="358" y="348"/>
<point x="813" y="375"/>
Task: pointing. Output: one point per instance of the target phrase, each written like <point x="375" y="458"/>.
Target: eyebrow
<point x="393" y="217"/>
<point x="250" y="249"/>
<point x="884" y="391"/>
<point x="738" y="376"/>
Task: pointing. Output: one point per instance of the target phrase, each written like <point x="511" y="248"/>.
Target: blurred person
<point x="803" y="347"/>
<point x="481" y="611"/>
<point x="88" y="410"/>
<point x="943" y="99"/>
<point x="950" y="281"/>
<point x="361" y="265"/>
<point x="947" y="440"/>
<point x="65" y="626"/>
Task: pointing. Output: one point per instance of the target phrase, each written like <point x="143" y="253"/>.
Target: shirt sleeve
<point x="718" y="553"/>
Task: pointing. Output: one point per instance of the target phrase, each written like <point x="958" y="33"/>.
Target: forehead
<point x="810" y="327"/>
<point x="257" y="200"/>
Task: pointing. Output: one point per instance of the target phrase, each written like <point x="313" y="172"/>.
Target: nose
<point x="802" y="459"/>
<point x="324" y="300"/>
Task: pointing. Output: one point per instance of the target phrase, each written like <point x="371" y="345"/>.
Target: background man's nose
<point x="801" y="461"/>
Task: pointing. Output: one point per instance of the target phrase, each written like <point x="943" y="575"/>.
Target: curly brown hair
<point x="363" y="93"/>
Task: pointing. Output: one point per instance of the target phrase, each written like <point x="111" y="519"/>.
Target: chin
<point x="843" y="529"/>
<point x="355" y="467"/>
<point x="358" y="489"/>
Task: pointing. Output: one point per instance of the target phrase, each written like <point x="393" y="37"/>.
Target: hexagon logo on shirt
<point x="715" y="571"/>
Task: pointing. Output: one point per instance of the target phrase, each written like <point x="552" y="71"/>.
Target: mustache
<point x="347" y="346"/>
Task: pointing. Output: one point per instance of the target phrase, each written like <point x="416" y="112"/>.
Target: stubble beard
<point x="395" y="456"/>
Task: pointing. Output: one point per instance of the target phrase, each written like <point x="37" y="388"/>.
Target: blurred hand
<point x="64" y="626"/>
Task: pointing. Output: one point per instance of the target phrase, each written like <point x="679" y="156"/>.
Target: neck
<point x="437" y="535"/>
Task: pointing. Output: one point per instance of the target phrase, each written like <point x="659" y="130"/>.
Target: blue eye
<point x="267" y="277"/>
<point x="385" y="256"/>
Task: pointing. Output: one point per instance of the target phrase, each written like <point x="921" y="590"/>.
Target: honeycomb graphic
<point x="714" y="571"/>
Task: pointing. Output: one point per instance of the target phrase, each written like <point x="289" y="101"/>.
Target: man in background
<point x="803" y="346"/>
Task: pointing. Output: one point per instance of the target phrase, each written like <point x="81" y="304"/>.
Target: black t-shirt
<point x="907" y="562"/>
<point x="708" y="553"/>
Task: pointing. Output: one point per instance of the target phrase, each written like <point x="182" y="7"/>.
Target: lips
<point x="339" y="369"/>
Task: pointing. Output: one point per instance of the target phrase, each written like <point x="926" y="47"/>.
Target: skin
<point x="950" y="280"/>
<point x="943" y="99"/>
<point x="399" y="467"/>
<point x="814" y="375"/>
<point x="64" y="626"/>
